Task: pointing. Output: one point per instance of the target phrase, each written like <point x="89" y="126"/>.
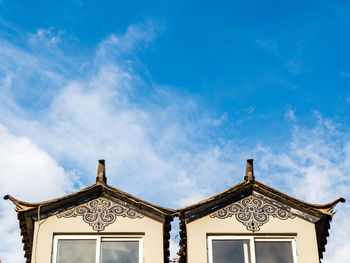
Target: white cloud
<point x="48" y="36"/>
<point x="28" y="173"/>
<point x="27" y="165"/>
<point x="137" y="36"/>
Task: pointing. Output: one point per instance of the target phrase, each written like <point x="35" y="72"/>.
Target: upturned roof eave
<point x="326" y="209"/>
<point x="22" y="206"/>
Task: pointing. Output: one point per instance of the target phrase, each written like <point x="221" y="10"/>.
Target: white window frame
<point x="251" y="240"/>
<point x="99" y="239"/>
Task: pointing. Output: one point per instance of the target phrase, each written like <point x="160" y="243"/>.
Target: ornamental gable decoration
<point x="100" y="213"/>
<point x="256" y="210"/>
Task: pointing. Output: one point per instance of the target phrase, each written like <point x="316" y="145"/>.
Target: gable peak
<point x="101" y="172"/>
<point x="249" y="171"/>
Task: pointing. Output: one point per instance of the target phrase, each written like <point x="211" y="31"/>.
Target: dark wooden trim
<point x="183" y="239"/>
<point x="217" y="204"/>
<point x="139" y="207"/>
<point x="166" y="238"/>
<point x="51" y="210"/>
<point x="284" y="200"/>
<point x="322" y="232"/>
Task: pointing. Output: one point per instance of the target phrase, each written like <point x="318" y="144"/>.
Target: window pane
<point x="231" y="251"/>
<point x="73" y="251"/>
<point x="273" y="252"/>
<point x="120" y="251"/>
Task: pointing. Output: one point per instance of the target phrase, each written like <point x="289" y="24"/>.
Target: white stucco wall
<point x="152" y="229"/>
<point x="303" y="231"/>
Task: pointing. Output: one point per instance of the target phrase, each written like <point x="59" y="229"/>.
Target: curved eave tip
<point x="12" y="199"/>
<point x="333" y="204"/>
<point x="339" y="200"/>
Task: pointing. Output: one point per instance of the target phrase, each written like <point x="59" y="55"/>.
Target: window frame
<point x="99" y="239"/>
<point x="251" y="239"/>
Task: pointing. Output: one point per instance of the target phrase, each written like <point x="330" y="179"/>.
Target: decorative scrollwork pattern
<point x="100" y="213"/>
<point x="253" y="212"/>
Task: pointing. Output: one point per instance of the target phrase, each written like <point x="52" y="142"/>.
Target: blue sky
<point x="267" y="57"/>
<point x="175" y="95"/>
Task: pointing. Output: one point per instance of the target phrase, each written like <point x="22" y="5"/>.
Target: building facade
<point x="248" y="223"/>
<point x="96" y="224"/>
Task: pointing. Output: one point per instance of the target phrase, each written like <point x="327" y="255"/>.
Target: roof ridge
<point x="24" y="206"/>
<point x="324" y="208"/>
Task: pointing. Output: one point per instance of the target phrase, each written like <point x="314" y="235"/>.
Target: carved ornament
<point x="100" y="213"/>
<point x="254" y="212"/>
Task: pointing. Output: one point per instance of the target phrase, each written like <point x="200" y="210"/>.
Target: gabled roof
<point x="91" y="192"/>
<point x="320" y="214"/>
<point x="245" y="188"/>
<point x="28" y="212"/>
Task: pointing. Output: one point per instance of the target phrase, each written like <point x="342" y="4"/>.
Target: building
<point x="254" y="223"/>
<point x="248" y="223"/>
<point x="96" y="224"/>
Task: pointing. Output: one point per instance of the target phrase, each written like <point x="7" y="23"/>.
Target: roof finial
<point x="101" y="172"/>
<point x="249" y="171"/>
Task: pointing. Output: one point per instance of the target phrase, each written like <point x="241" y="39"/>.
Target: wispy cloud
<point x="290" y="114"/>
<point x="249" y="110"/>
<point x="137" y="36"/>
<point x="295" y="65"/>
<point x="291" y="62"/>
<point x="345" y="74"/>
<point x="47" y="36"/>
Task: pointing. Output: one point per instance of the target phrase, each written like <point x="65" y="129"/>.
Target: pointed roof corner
<point x="101" y="173"/>
<point x="249" y="171"/>
<point x="19" y="205"/>
<point x="331" y="206"/>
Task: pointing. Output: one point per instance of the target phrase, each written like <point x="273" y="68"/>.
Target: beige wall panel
<point x="152" y="229"/>
<point x="198" y="230"/>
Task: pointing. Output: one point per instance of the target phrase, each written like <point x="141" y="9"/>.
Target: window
<point x="97" y="249"/>
<point x="243" y="249"/>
